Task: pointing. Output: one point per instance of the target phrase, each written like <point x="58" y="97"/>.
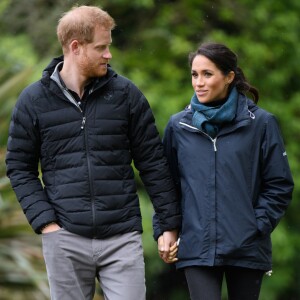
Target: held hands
<point x="168" y="246"/>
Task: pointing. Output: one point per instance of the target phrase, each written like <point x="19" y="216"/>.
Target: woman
<point x="231" y="170"/>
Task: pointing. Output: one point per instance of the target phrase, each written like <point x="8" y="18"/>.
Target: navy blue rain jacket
<point x="234" y="188"/>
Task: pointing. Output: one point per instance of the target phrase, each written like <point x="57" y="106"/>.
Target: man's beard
<point x="92" y="69"/>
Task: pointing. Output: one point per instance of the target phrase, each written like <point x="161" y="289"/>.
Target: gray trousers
<point x="74" y="262"/>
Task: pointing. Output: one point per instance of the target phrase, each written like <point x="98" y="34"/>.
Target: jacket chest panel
<point x="236" y="153"/>
<point x="60" y="122"/>
<point x="62" y="130"/>
<point x="242" y="146"/>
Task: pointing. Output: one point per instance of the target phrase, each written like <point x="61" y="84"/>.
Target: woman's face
<point x="209" y="83"/>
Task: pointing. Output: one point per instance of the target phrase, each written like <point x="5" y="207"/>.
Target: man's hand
<point x="50" y="228"/>
<point x="167" y="246"/>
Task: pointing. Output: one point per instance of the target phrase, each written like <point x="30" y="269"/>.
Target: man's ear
<point x="74" y="47"/>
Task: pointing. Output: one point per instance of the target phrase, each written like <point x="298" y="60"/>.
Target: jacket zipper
<point x="214" y="141"/>
<point x="89" y="172"/>
<point x="212" y="233"/>
<point x="83" y="122"/>
<point x="74" y="102"/>
<point x="70" y="97"/>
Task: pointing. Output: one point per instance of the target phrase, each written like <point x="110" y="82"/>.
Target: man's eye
<point x="101" y="48"/>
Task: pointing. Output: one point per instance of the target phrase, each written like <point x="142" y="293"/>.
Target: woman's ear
<point x="230" y="77"/>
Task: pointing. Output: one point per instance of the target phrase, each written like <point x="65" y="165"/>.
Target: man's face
<point x="95" y="56"/>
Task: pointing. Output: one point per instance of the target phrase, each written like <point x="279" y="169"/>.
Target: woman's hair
<point x="79" y="23"/>
<point x="226" y="61"/>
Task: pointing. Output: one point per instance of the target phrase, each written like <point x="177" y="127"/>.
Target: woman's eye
<point x="206" y="74"/>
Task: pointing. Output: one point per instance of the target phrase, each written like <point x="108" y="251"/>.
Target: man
<point x="85" y="124"/>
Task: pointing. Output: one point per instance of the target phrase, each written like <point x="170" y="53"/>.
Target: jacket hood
<point x="51" y="66"/>
<point x="252" y="106"/>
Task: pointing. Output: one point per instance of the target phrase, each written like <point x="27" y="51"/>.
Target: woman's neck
<point x="216" y="103"/>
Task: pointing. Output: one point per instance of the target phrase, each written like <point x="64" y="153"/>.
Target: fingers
<point x="166" y="251"/>
<point x="172" y="257"/>
<point x="169" y="239"/>
<point x="174" y="247"/>
<point x="173" y="253"/>
<point x="170" y="260"/>
<point x="169" y="256"/>
<point x="173" y="250"/>
<point x="160" y="244"/>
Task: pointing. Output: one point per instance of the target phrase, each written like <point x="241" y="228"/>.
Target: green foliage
<point x="151" y="44"/>
<point x="20" y="54"/>
<point x="4" y="4"/>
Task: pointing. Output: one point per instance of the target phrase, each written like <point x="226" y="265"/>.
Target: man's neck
<point x="73" y="80"/>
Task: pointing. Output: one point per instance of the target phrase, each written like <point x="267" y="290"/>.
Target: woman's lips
<point x="201" y="93"/>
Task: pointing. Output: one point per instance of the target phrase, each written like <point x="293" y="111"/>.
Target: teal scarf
<point x="210" y="119"/>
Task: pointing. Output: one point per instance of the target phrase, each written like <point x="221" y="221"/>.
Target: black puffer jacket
<point x="85" y="156"/>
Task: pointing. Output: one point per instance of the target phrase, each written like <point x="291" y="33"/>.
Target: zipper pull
<point x="83" y="123"/>
<point x="214" y="143"/>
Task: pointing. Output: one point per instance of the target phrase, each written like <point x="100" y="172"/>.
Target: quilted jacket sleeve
<point x="277" y="183"/>
<point x="22" y="161"/>
<point x="149" y="159"/>
<point x="170" y="153"/>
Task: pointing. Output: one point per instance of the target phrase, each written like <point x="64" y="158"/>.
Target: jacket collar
<point x="52" y="67"/>
<point x="245" y="114"/>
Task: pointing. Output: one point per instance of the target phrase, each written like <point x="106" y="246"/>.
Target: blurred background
<point x="150" y="46"/>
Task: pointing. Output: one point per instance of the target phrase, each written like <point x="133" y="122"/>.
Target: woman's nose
<point x="199" y="81"/>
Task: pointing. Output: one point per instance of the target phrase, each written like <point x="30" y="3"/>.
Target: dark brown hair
<point x="226" y="61"/>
